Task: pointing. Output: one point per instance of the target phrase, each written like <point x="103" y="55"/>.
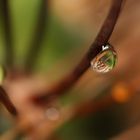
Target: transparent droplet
<point x="52" y="114"/>
<point x="105" y="61"/>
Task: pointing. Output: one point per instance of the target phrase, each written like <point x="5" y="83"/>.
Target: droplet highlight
<point x="105" y="61"/>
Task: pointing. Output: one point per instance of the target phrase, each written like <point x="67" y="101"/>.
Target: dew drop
<point x="105" y="61"/>
<point x="52" y="114"/>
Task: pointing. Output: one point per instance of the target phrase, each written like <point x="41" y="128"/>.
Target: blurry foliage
<point x="57" y="40"/>
<point x="1" y="40"/>
<point x="58" y="43"/>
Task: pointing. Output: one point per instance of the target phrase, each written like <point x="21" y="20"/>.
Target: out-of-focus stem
<point x="7" y="102"/>
<point x="36" y="42"/>
<point x="9" y="51"/>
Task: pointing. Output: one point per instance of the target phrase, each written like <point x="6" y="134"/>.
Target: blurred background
<point x="99" y="106"/>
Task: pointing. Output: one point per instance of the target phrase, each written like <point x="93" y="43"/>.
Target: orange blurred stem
<point x="93" y="106"/>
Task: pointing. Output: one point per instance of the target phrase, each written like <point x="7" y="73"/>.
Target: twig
<point x="7" y="102"/>
<point x="9" y="52"/>
<point x="35" y="46"/>
<point x="101" y="39"/>
<point x="93" y="106"/>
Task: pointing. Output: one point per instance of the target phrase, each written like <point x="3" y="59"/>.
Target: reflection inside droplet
<point x="105" y="61"/>
<point x="52" y="114"/>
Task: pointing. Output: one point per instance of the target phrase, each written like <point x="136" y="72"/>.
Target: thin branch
<point x="93" y="106"/>
<point x="9" y="52"/>
<point x="7" y="102"/>
<point x="101" y="39"/>
<point x="37" y="39"/>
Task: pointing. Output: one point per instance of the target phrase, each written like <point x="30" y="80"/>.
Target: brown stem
<point x="35" y="46"/>
<point x="7" y="102"/>
<point x="9" y="52"/>
<point x="93" y="106"/>
<point x="102" y="38"/>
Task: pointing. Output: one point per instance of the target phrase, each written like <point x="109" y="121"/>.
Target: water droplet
<point x="105" y="61"/>
<point x="53" y="114"/>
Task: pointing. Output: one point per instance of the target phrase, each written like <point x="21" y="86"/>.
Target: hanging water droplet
<point x="105" y="61"/>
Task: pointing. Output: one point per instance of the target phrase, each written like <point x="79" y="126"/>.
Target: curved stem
<point x="102" y="38"/>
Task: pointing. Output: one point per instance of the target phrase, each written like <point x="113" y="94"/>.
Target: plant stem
<point x="37" y="39"/>
<point x="7" y="102"/>
<point x="9" y="52"/>
<point x="102" y="38"/>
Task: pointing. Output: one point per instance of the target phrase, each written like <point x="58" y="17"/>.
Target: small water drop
<point x="53" y="114"/>
<point x="105" y="61"/>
